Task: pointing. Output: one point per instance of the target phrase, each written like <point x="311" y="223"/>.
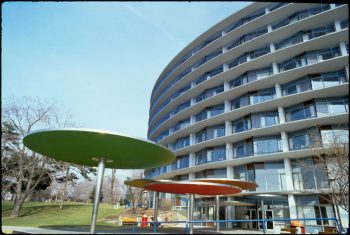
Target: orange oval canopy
<point x="200" y="188"/>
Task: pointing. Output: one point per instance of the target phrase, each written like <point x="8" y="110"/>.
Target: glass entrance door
<point x="252" y="215"/>
<point x="268" y="215"/>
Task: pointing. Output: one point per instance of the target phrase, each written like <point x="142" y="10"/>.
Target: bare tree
<point x="112" y="183"/>
<point x="331" y="151"/>
<point x="23" y="169"/>
<point x="133" y="194"/>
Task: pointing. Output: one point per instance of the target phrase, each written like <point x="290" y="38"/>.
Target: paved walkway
<point x="121" y="230"/>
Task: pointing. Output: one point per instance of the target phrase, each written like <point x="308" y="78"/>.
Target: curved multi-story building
<point x="242" y="101"/>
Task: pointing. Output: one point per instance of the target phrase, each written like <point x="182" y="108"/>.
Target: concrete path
<point x="120" y="230"/>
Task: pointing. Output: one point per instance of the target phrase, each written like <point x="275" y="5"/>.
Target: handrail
<point x="227" y="221"/>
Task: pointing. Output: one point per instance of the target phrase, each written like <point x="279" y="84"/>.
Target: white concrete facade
<point x="277" y="80"/>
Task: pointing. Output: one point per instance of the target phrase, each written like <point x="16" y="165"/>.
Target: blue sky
<point x="99" y="60"/>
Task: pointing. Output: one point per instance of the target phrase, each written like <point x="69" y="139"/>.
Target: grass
<point x="41" y="214"/>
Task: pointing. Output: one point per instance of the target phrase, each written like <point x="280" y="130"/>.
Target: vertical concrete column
<point x="192" y="119"/>
<point x="217" y="208"/>
<point x="192" y="138"/>
<point x="292" y="207"/>
<point x="227" y="106"/>
<point x="191" y="176"/>
<point x="229" y="171"/>
<point x="289" y="175"/>
<point x="193" y="84"/>
<point x="154" y="200"/>
<point x="192" y="159"/>
<point x="192" y="68"/>
<point x="275" y="68"/>
<point x="224" y="49"/>
<point x="226" y="86"/>
<point x="228" y="127"/>
<point x="337" y="25"/>
<point x="230" y="212"/>
<point x="223" y="33"/>
<point x="269" y="28"/>
<point x="171" y="130"/>
<point x="281" y="115"/>
<point x="284" y="139"/>
<point x="229" y="152"/>
<point x="267" y="10"/>
<point x="278" y="90"/>
<point x="225" y="67"/>
<point x="332" y="5"/>
<point x="343" y="48"/>
<point x="305" y="37"/>
<point x="347" y="72"/>
<point x="193" y="101"/>
<point x="272" y="47"/>
<point x="191" y="211"/>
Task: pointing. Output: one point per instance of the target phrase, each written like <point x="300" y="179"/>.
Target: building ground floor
<point x="275" y="206"/>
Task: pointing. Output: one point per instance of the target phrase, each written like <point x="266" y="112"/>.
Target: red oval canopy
<point x="200" y="188"/>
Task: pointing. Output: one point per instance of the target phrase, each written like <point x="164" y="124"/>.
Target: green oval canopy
<point x="86" y="146"/>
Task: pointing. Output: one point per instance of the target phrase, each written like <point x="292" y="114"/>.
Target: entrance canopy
<point x="87" y="146"/>
<point x="233" y="182"/>
<point x="183" y="187"/>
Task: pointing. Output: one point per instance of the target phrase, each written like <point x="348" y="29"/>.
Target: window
<point x="300" y="85"/>
<point x="242" y="124"/>
<point x="182" y="124"/>
<point x="262" y="95"/>
<point x="210" y="92"/>
<point x="259" y="52"/>
<point x="210" y="133"/>
<point x="181" y="162"/>
<point x="298" y="140"/>
<point x="240" y="102"/>
<point x="291" y="40"/>
<point x="264" y="119"/>
<point x="181" y="143"/>
<point x="212" y="173"/>
<point x="332" y="106"/>
<point x="267" y="144"/>
<point x="301" y="111"/>
<point x="243" y="148"/>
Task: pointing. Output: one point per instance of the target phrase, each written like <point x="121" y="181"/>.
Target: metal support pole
<point x="263" y="215"/>
<point x="217" y="199"/>
<point x="156" y="206"/>
<point x="100" y="173"/>
<point x="191" y="212"/>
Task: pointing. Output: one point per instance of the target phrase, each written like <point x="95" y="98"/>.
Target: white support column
<point x="228" y="128"/>
<point x="171" y="130"/>
<point x="224" y="49"/>
<point x="248" y="57"/>
<point x="269" y="28"/>
<point x="225" y="67"/>
<point x="275" y="68"/>
<point x="230" y="213"/>
<point x="192" y="68"/>
<point x="227" y="106"/>
<point x="154" y="200"/>
<point x="281" y="114"/>
<point x="267" y="10"/>
<point x="289" y="175"/>
<point x="347" y="72"/>
<point x="229" y="151"/>
<point x="332" y="5"/>
<point x="292" y="207"/>
<point x="192" y="138"/>
<point x="191" y="176"/>
<point x="226" y="86"/>
<point x="192" y="159"/>
<point x="305" y="37"/>
<point x="272" y="47"/>
<point x="337" y="25"/>
<point x="278" y="90"/>
<point x="229" y="171"/>
<point x="193" y="101"/>
<point x="284" y="139"/>
<point x="192" y="119"/>
<point x="193" y="84"/>
<point x="343" y="48"/>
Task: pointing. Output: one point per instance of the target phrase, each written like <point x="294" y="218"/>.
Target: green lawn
<point x="38" y="214"/>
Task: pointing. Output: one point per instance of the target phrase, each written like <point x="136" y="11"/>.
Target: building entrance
<point x="268" y="215"/>
<point x="252" y="215"/>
